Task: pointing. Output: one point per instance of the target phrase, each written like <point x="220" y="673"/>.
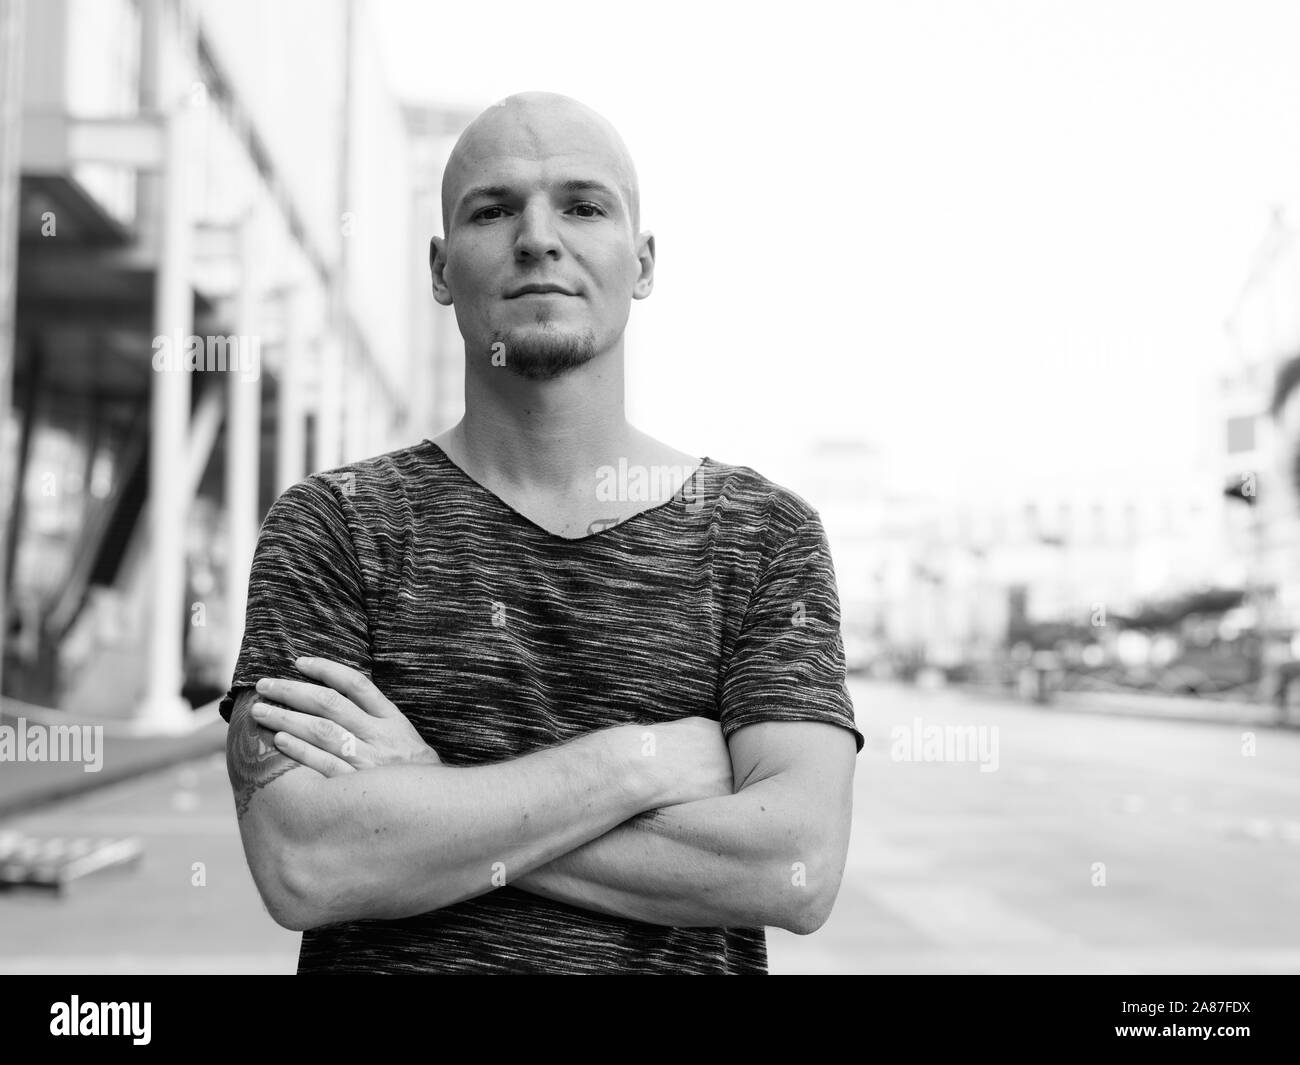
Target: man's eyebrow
<point x="588" y="185"/>
<point x="485" y="192"/>
<point x="501" y="192"/>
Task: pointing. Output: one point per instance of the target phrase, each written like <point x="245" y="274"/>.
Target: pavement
<point x="1155" y="705"/>
<point x="188" y="906"/>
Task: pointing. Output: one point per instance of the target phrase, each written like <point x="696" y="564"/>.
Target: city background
<point x="1009" y="292"/>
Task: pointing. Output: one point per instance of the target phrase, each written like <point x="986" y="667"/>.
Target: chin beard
<point x="540" y="355"/>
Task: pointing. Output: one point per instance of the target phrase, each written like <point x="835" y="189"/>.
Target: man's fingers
<point x="314" y="699"/>
<point x="321" y="733"/>
<point x="312" y="757"/>
<point x="352" y="683"/>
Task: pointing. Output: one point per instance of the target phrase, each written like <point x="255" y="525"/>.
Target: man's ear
<point x="437" y="266"/>
<point x="645" y="255"/>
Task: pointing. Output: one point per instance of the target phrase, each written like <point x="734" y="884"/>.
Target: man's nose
<point x="537" y="236"/>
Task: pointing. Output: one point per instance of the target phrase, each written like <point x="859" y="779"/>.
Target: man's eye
<point x="483" y="213"/>
<point x="593" y="209"/>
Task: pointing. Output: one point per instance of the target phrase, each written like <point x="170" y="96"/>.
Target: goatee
<point x="541" y="355"/>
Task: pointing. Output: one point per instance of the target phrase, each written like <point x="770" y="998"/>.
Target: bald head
<point x="533" y="128"/>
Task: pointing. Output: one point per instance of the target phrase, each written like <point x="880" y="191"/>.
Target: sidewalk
<point x="1173" y="707"/>
<point x="1151" y="705"/>
<point x="27" y="785"/>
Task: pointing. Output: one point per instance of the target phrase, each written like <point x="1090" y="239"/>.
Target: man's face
<point x="541" y="259"/>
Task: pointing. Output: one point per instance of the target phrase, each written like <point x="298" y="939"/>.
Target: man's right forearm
<point x="402" y="840"/>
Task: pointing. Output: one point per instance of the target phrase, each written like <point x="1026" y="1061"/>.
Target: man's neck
<point x="544" y="437"/>
<point x="538" y="459"/>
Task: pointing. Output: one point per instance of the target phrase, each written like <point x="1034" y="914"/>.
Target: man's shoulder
<point x="359" y="500"/>
<point x="377" y="480"/>
<point x="392" y="471"/>
<point x="742" y="494"/>
<point x="754" y="504"/>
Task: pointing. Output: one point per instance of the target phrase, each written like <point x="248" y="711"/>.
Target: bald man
<point x="542" y="694"/>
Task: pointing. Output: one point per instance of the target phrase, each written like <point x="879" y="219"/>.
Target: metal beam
<point x="135" y="142"/>
<point x="54" y="141"/>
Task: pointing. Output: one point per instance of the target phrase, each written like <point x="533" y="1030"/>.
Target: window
<point x="1241" y="434"/>
<point x="1031" y="520"/>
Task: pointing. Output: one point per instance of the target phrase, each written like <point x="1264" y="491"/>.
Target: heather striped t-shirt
<point x="498" y="638"/>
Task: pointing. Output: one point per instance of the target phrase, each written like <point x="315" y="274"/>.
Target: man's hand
<point x="694" y="752"/>
<point x="340" y="725"/>
<point x="345" y="723"/>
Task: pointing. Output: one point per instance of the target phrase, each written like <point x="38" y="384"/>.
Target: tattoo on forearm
<point x="252" y="760"/>
<point x="649" y="820"/>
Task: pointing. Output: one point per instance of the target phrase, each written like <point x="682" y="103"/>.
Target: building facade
<point x="222" y="286"/>
<point x="1257" y="442"/>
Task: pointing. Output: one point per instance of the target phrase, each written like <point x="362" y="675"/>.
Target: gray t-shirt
<point x="498" y="638"/>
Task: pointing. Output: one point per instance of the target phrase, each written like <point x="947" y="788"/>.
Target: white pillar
<point x="356" y="400"/>
<point x="290" y="460"/>
<point x="329" y="410"/>
<point x="243" y="444"/>
<point x="169" y="416"/>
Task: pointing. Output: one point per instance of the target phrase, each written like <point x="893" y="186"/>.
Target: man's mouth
<point x="538" y="290"/>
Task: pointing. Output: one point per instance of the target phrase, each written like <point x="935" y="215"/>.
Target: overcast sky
<point x="997" y="239"/>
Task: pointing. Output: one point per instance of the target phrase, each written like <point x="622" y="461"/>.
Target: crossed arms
<point x="345" y="814"/>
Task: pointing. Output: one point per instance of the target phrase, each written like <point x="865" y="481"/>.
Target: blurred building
<point x="222" y="285"/>
<point x="1258" y="445"/>
<point x="962" y="570"/>
<point x="928" y="577"/>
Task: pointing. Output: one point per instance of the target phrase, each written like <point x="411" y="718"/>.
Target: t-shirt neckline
<point x="442" y="456"/>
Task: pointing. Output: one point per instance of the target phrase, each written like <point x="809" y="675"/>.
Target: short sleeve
<point x="305" y="592"/>
<point x="788" y="660"/>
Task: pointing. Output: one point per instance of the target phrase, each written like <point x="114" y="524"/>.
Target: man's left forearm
<point x="744" y="860"/>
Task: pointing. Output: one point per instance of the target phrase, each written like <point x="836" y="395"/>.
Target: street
<point x="1062" y="842"/>
<point x="955" y="870"/>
